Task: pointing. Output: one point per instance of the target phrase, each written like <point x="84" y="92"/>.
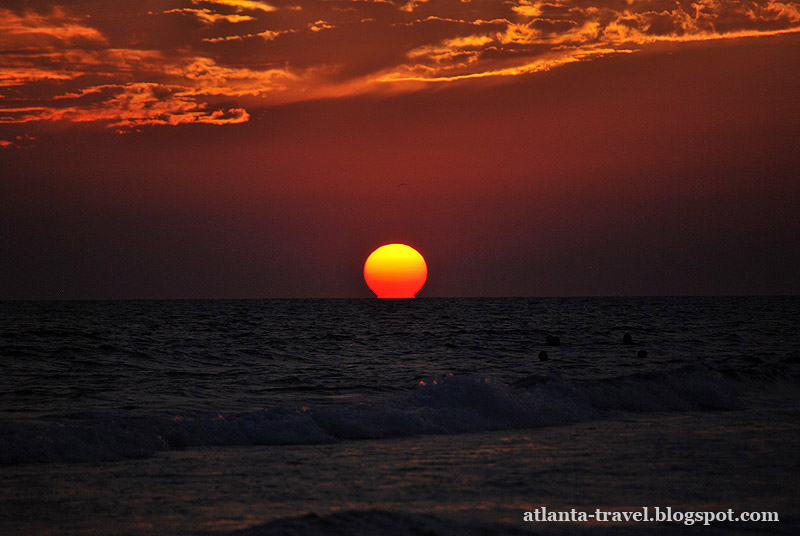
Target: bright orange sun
<point x="395" y="271"/>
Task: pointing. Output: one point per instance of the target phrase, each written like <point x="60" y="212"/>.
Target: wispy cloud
<point x="268" y="35"/>
<point x="33" y="30"/>
<point x="240" y="4"/>
<point x="21" y="141"/>
<point x="540" y="35"/>
<point x="182" y="94"/>
<point x="209" y="17"/>
<point x="133" y="105"/>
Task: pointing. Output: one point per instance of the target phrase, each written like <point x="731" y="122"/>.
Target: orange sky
<point x="240" y="148"/>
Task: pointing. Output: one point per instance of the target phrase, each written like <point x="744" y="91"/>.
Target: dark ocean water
<point x="394" y="416"/>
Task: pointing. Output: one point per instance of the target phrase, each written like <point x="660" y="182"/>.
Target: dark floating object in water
<point x="641" y="353"/>
<point x="552" y="340"/>
<point x="626" y="339"/>
<point x="543" y="356"/>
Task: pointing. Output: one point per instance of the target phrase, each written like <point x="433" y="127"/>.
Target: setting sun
<point x="395" y="271"/>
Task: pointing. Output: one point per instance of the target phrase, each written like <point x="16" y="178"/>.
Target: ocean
<point x="428" y="416"/>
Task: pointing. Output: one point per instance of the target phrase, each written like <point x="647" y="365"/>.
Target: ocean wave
<point x="446" y="405"/>
<point x="370" y="522"/>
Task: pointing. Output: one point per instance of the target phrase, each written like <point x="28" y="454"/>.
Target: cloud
<point x="206" y="77"/>
<point x="423" y="74"/>
<point x="268" y="35"/>
<point x="130" y="106"/>
<point x="209" y="17"/>
<point x="528" y="9"/>
<point x="240" y="4"/>
<point x="159" y="67"/>
<point x="320" y="25"/>
<point x="22" y="75"/>
<point x="18" y="142"/>
<point x="540" y="35"/>
<point x="163" y="89"/>
<point x="411" y="5"/>
<point x="460" y="50"/>
<point x="182" y="97"/>
<point x="34" y="30"/>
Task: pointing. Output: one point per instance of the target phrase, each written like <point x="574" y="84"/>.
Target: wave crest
<point x="452" y="404"/>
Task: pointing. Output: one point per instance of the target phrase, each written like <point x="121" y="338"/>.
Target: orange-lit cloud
<point x="34" y="30"/>
<point x="214" y="60"/>
<point x="319" y="25"/>
<point x="239" y="4"/>
<point x="209" y="17"/>
<point x="19" y="142"/>
<point x="411" y="5"/>
<point x="131" y="106"/>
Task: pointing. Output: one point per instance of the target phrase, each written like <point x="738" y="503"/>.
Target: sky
<point x="259" y="149"/>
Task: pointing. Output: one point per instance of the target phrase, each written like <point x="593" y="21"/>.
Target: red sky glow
<point x="243" y="148"/>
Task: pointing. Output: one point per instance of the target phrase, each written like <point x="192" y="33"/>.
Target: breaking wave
<point x="446" y="405"/>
